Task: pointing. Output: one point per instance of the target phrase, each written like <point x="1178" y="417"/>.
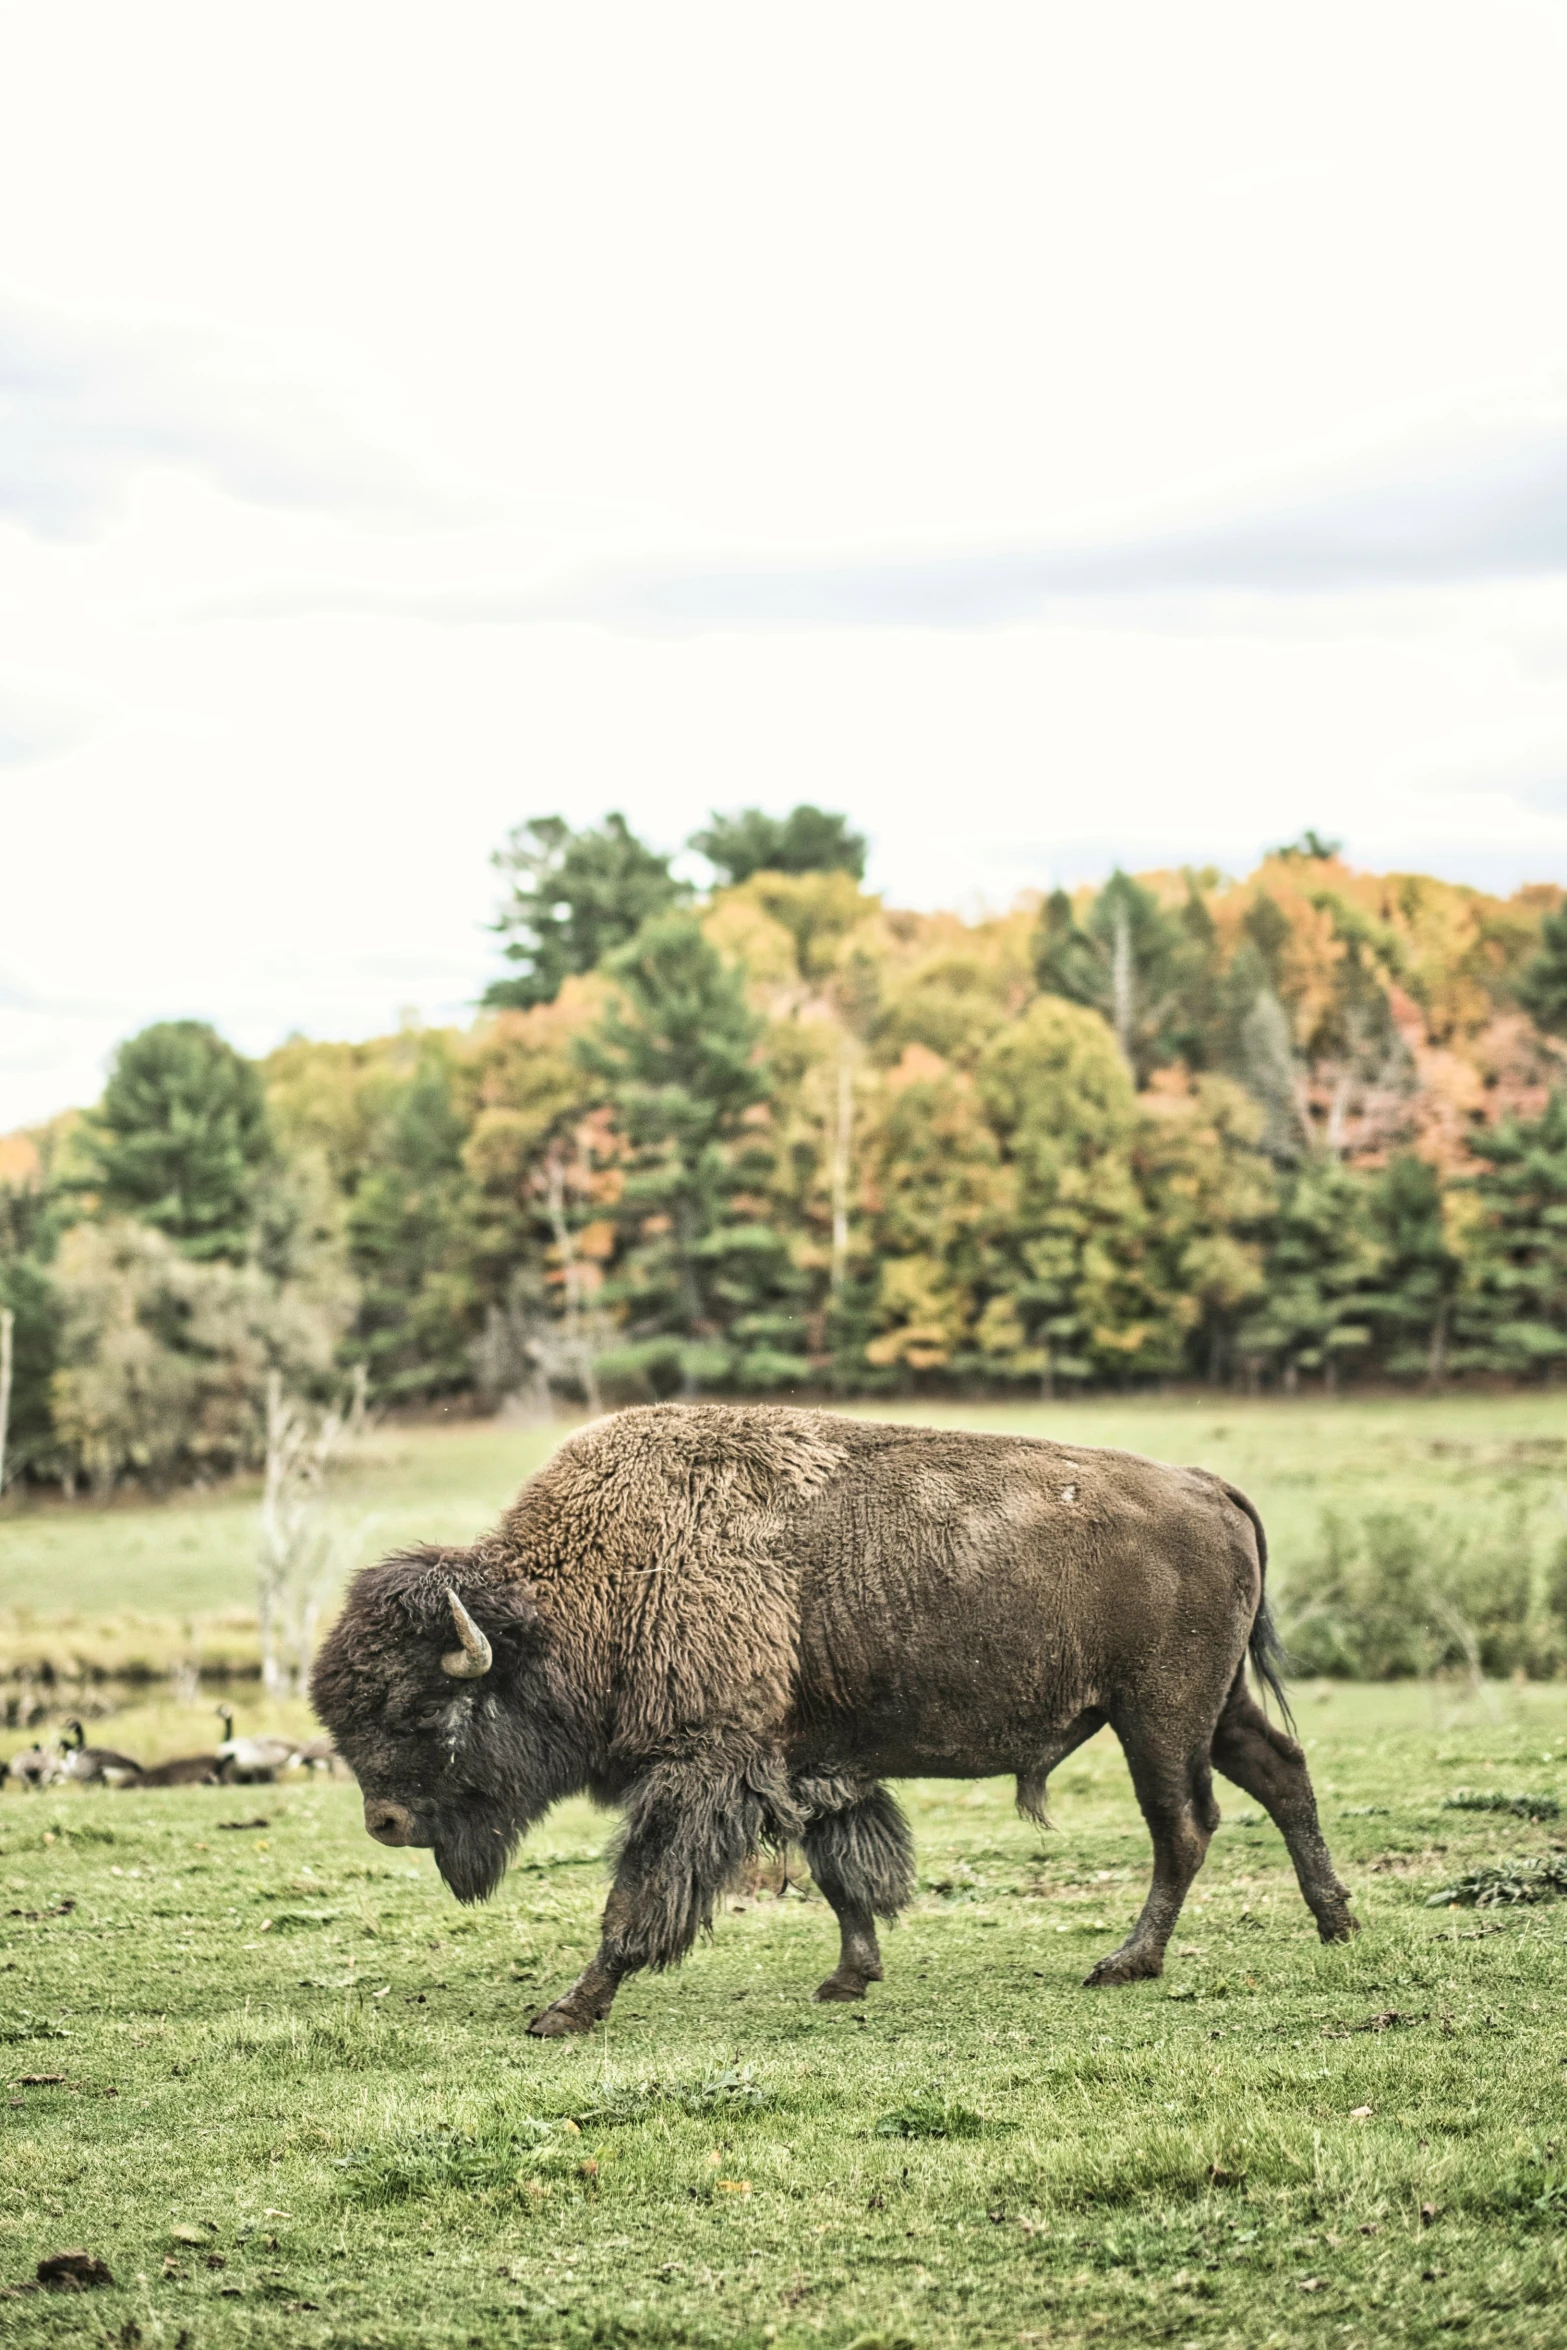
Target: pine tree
<point x="180" y="1138"/>
<point x="708" y="1286"/>
<point x="411" y="1221"/>
<point x="1323" y="1271"/>
<point x="807" y="840"/>
<point x="575" y="897"/>
<point x="1512" y="1312"/>
<point x="1542" y="984"/>
<point x="29" y="1222"/>
<point x="1132" y="962"/>
<point x="1412" y="1306"/>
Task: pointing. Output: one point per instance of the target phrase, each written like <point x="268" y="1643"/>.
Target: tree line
<point x="775" y="1137"/>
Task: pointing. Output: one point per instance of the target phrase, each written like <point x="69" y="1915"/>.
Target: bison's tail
<point x="1268" y="1658"/>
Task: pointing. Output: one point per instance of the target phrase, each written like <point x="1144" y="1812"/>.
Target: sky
<point x="1056" y="436"/>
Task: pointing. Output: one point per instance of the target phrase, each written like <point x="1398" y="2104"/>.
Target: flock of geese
<point x="236" y="1762"/>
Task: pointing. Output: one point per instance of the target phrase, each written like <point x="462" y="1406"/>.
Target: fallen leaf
<point x="1310" y="2284"/>
<point x="184" y="2232"/>
<point x="733" y="2186"/>
<point x="1361" y="2113"/>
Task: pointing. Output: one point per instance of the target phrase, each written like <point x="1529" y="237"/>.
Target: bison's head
<point x="437" y="1684"/>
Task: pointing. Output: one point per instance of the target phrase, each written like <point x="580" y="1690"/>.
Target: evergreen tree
<point x="807" y="840"/>
<point x="1542" y="984"/>
<point x="29" y="1221"/>
<point x="180" y="1138"/>
<point x="411" y="1231"/>
<point x="1512" y="1314"/>
<point x="1323" y="1272"/>
<point x="575" y="897"/>
<point x="1412" y="1307"/>
<point x="708" y="1287"/>
<point x="1132" y="962"/>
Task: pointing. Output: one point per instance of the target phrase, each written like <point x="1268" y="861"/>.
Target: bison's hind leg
<point x="862" y="1856"/>
<point x="1175" y="1790"/>
<point x="1265" y="1763"/>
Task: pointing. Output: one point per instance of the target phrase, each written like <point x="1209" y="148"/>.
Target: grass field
<point x="277" y="2080"/>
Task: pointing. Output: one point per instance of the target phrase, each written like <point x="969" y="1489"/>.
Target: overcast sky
<point x="1056" y="434"/>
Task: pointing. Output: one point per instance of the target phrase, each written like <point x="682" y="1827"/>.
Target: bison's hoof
<point x="559" y="2022"/>
<point x="840" y="1987"/>
<point x="1339" y="1928"/>
<point x="1122" y="1966"/>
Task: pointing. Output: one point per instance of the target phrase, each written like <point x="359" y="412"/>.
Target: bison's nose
<point x="389" y="1823"/>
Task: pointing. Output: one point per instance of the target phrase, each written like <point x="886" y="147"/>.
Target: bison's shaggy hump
<point x="655" y="1542"/>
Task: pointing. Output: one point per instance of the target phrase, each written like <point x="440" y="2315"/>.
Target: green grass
<point x="331" y="2130"/>
<point x="154" y="1583"/>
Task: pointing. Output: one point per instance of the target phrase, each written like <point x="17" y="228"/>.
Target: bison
<point x="735" y="1622"/>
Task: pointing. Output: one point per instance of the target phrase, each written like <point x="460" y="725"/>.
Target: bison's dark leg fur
<point x="592" y="1995"/>
<point x="691" y="1824"/>
<point x="1176" y="1795"/>
<point x="1268" y="1765"/>
<point x="862" y="1857"/>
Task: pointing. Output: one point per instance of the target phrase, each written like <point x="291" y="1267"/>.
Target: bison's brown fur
<point x="735" y="1622"/>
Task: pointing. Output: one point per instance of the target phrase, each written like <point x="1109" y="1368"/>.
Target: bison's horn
<point x="475" y="1656"/>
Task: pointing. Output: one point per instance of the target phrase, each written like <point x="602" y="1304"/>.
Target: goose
<point x="96" y="1765"/>
<point x="186" y="1770"/>
<point x="251" y="1762"/>
<point x="319" y="1754"/>
<point x="37" y="1766"/>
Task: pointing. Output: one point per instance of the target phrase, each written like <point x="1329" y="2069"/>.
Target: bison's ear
<point x="503" y="1608"/>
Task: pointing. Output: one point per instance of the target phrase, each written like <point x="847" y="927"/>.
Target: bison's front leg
<point x="592" y="1995"/>
<point x="690" y="1827"/>
<point x="862" y="1857"/>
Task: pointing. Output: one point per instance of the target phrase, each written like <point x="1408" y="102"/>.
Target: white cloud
<point x="86" y="406"/>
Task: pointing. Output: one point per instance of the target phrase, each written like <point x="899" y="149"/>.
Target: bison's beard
<point x="472" y="1849"/>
